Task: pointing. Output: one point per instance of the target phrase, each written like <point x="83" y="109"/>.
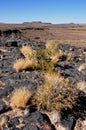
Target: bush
<point x="26" y="51"/>
<point x="43" y="60"/>
<point x="19" y="65"/>
<point x="55" y="52"/>
<point x="20" y="97"/>
<point x="56" y="93"/>
<point x="29" y="63"/>
<point x="22" y="64"/>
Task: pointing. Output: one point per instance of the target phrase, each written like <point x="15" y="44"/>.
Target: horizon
<point x="41" y="22"/>
<point x="46" y="11"/>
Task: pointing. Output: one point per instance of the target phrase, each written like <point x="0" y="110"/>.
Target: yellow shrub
<point x="20" y="97"/>
<point x="56" y="93"/>
<point x="26" y="51"/>
<point x="22" y="64"/>
<point x="55" y="52"/>
<point x="19" y="65"/>
<point x="52" y="45"/>
<point x="29" y="63"/>
<point x="57" y="55"/>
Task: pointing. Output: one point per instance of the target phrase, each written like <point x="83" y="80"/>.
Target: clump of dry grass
<point x="55" y="52"/>
<point x="43" y="59"/>
<point x="29" y="63"/>
<point x="57" y="55"/>
<point x="22" y="64"/>
<point x="56" y="93"/>
<point x="20" y="97"/>
<point x="19" y="65"/>
<point x="52" y="44"/>
<point x="26" y="51"/>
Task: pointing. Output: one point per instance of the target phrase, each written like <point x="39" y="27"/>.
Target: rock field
<point x="29" y="118"/>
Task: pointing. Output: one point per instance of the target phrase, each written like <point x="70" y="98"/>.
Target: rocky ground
<point x="30" y="118"/>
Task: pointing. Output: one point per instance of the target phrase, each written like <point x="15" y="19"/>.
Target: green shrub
<point x="43" y="60"/>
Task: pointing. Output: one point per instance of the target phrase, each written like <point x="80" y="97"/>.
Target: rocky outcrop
<point x="14" y="33"/>
<point x="30" y="118"/>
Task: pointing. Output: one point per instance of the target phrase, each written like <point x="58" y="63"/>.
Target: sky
<point x="54" y="11"/>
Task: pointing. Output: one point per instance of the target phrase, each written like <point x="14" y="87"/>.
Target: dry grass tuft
<point x="57" y="55"/>
<point x="26" y="51"/>
<point x="55" y="52"/>
<point x="52" y="44"/>
<point x="29" y="63"/>
<point x="20" y="97"/>
<point x="56" y="93"/>
<point x="19" y="65"/>
<point x="22" y="64"/>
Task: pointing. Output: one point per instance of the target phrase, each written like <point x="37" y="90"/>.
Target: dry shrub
<point x="22" y="64"/>
<point x="19" y="65"/>
<point x="52" y="45"/>
<point x="55" y="52"/>
<point x="26" y="51"/>
<point x="56" y="93"/>
<point x="56" y="56"/>
<point x="20" y="97"/>
<point x="29" y="63"/>
<point x="43" y="59"/>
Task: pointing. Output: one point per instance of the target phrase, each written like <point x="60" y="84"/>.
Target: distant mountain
<point x="36" y="22"/>
<point x="2" y="23"/>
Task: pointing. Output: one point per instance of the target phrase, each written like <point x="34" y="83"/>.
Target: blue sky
<point x="55" y="11"/>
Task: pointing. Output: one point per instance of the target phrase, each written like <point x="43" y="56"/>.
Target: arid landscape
<point x="42" y="76"/>
<point x="74" y="34"/>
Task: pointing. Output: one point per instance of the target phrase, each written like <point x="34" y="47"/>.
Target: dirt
<point x="73" y="34"/>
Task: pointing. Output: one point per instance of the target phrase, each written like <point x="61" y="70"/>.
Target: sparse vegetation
<point x="29" y="63"/>
<point x="19" y="65"/>
<point x="43" y="60"/>
<point x="55" y="52"/>
<point x="57" y="90"/>
<point x="52" y="45"/>
<point x="56" y="93"/>
<point x="22" y="64"/>
<point x="20" y="97"/>
<point x="26" y="51"/>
